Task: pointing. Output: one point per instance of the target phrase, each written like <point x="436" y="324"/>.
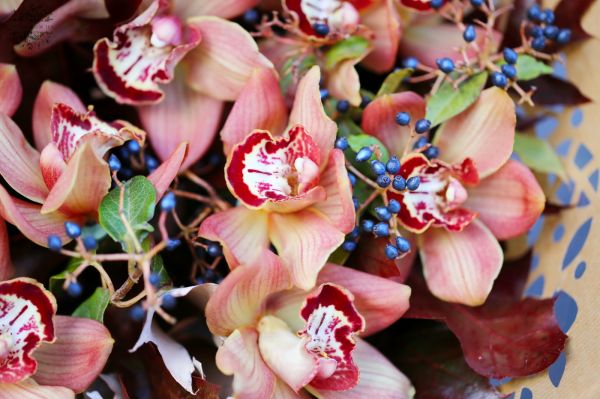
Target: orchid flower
<point x="43" y="355"/>
<point x="469" y="198"/>
<point x="293" y="188"/>
<point x="65" y="176"/>
<point x="279" y="342"/>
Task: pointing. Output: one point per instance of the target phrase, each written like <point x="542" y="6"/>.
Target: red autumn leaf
<point x="552" y="90"/>
<point x="505" y="337"/>
<point x="569" y="14"/>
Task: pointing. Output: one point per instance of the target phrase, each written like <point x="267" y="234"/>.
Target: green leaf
<point x="57" y="280"/>
<point x="352" y="47"/>
<point x="292" y="68"/>
<point x="347" y="127"/>
<point x="138" y="208"/>
<point x="157" y="265"/>
<point x="448" y="101"/>
<point x="539" y="155"/>
<point x="393" y="81"/>
<point x="529" y="68"/>
<point x="359" y="141"/>
<point x="94" y="307"/>
<point x="339" y="256"/>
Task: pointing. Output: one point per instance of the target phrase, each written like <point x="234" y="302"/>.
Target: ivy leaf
<point x="359" y="141"/>
<point x="94" y="307"/>
<point x="448" y="101"/>
<point x="529" y="68"/>
<point x="393" y="81"/>
<point x="138" y="208"/>
<point x="352" y="47"/>
<point x="57" y="280"/>
<point x="539" y="155"/>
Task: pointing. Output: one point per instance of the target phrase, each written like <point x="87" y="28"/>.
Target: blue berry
<point x="355" y="233"/>
<point x="534" y="13"/>
<point x="393" y="206"/>
<point x="168" y="301"/>
<point x="499" y="79"/>
<point x="90" y="243"/>
<point x="367" y="225"/>
<point x="137" y="313"/>
<point x="321" y="29"/>
<point x="381" y="229"/>
<point x="74" y="289"/>
<point x="445" y="64"/>
<point x="509" y="71"/>
<point x="124" y="152"/>
<point x="342" y="106"/>
<point x="251" y="16"/>
<point x="363" y="154"/>
<point x="54" y="243"/>
<point x="410" y="62"/>
<point x="413" y="183"/>
<point x="432" y="152"/>
<point x="324" y="94"/>
<point x="510" y="55"/>
<point x="470" y="34"/>
<point x="364" y="101"/>
<point x="403" y="118"/>
<point x="341" y="143"/>
<point x="167" y="204"/>
<point x="126" y="173"/>
<point x="476" y="3"/>
<point x="356" y="203"/>
<point x="538" y="43"/>
<point x="536" y="31"/>
<point x="154" y="279"/>
<point x="422" y="126"/>
<point x="383" y="213"/>
<point x="349" y="246"/>
<point x="172" y="244"/>
<point x="391" y="251"/>
<point x="551" y="31"/>
<point x="399" y="183"/>
<point x="393" y="165"/>
<point x="352" y="179"/>
<point x="436" y="4"/>
<point x="377" y="167"/>
<point x="548" y="16"/>
<point x="383" y="181"/>
<point x="133" y="146"/>
<point x="214" y="250"/>
<point x="402" y="244"/>
<point x="113" y="163"/>
<point x="564" y="36"/>
<point x="72" y="229"/>
<point x="151" y="163"/>
<point x="420" y="143"/>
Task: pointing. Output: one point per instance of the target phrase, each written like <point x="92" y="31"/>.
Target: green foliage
<point x="448" y="101"/>
<point x="393" y="81"/>
<point x="95" y="306"/>
<point x="294" y="67"/>
<point x="57" y="280"/>
<point x="157" y="265"/>
<point x="359" y="141"/>
<point x="352" y="47"/>
<point x="529" y="68"/>
<point x="539" y="155"/>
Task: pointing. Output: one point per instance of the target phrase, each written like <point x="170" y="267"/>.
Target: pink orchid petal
<point x="11" y="89"/>
<point x="277" y="52"/>
<point x="82" y="186"/>
<point x="304" y="240"/>
<point x="59" y="25"/>
<point x="26" y="313"/>
<point x="225" y="60"/>
<point x="8" y="8"/>
<point x="379" y="118"/>
<point x="385" y="23"/>
<point x="27" y="217"/>
<point x="225" y="8"/>
<point x="240" y="298"/>
<point x="283" y="391"/>
<point x="20" y="162"/>
<point x="509" y="201"/>
<point x="241" y="231"/>
<point x="379" y="300"/>
<point x="343" y="82"/>
<point x="308" y="111"/>
<point x="240" y="356"/>
<point x="29" y="389"/>
<point x="285" y="353"/>
<point x="379" y="378"/>
<point x="6" y="267"/>
<point x="164" y="175"/>
<point x="50" y="94"/>
<point x="259" y="106"/>
<point x="485" y="132"/>
<point x="314" y="196"/>
<point x="77" y="356"/>
<point x="338" y="207"/>
<point x="183" y="116"/>
<point x="461" y="266"/>
<point x="52" y="165"/>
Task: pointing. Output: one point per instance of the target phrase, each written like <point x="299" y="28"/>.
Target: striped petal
<point x="225" y="60"/>
<point x="485" y="132"/>
<point x="240" y="356"/>
<point x="11" y="89"/>
<point x="29" y="389"/>
<point x="509" y="201"/>
<point x="77" y="356"/>
<point x="385" y="23"/>
<point x="26" y="313"/>
<point x="461" y="266"/>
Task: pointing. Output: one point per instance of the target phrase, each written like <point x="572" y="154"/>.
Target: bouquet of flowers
<point x="280" y="198"/>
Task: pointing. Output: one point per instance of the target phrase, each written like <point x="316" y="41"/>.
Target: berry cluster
<point x="541" y="28"/>
<point x="129" y="159"/>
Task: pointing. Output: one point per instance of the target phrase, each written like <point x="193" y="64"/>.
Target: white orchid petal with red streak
<point x="332" y="322"/>
<point x="29" y="389"/>
<point x="285" y="353"/>
<point x="26" y="313"/>
<point x="69" y="127"/>
<point x="240" y="356"/>
<point x="143" y="54"/>
<point x="11" y="89"/>
<point x="264" y="168"/>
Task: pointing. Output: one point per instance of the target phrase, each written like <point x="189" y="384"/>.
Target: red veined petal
<point x="421" y="5"/>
